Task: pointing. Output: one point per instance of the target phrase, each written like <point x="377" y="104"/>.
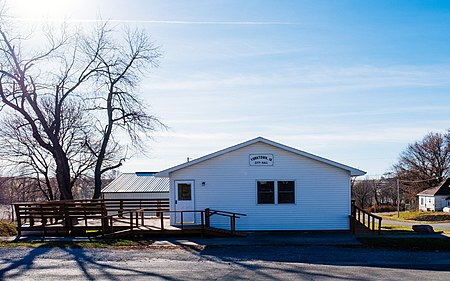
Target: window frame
<point x="276" y="191"/>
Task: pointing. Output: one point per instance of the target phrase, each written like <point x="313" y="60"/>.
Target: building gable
<point x="262" y="158"/>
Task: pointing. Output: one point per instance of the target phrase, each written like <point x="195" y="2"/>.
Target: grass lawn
<point x="388" y="229"/>
<point x="418" y="216"/>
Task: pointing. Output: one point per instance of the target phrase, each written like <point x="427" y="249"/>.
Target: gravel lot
<point x="223" y="263"/>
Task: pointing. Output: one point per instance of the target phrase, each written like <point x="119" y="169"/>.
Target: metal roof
<point x="138" y="182"/>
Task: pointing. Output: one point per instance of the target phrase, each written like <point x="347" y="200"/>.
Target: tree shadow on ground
<point x="90" y="269"/>
<point x="422" y="252"/>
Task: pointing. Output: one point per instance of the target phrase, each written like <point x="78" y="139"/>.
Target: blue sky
<point x="352" y="81"/>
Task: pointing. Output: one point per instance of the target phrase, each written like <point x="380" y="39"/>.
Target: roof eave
<point x="353" y="171"/>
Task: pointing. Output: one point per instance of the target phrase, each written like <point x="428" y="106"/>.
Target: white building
<point x="435" y="198"/>
<point x="276" y="186"/>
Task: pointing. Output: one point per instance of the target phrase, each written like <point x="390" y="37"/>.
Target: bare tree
<point x="20" y="151"/>
<point x="95" y="72"/>
<point x="426" y="161"/>
<point x="363" y="192"/>
<point x="122" y="68"/>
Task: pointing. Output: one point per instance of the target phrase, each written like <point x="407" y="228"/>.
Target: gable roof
<point x="138" y="182"/>
<point x="353" y="171"/>
<point x="441" y="189"/>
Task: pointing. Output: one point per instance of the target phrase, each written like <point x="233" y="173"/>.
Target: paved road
<point x="445" y="226"/>
<point x="223" y="263"/>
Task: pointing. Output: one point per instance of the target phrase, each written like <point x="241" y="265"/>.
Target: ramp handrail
<point x="359" y="215"/>
<point x="232" y="215"/>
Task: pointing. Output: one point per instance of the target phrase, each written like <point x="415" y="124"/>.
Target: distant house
<point x="137" y="186"/>
<point x="435" y="198"/>
<point x="278" y="187"/>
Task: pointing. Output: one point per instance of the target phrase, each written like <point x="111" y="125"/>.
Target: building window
<point x="276" y="192"/>
<point x="286" y="192"/>
<point x="266" y="192"/>
<point x="184" y="191"/>
<point x="421" y="201"/>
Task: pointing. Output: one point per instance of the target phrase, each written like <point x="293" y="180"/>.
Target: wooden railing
<point x="60" y="215"/>
<point x="367" y="219"/>
<point x="120" y="206"/>
<point x="137" y="218"/>
<point x="233" y="216"/>
<point x="110" y="214"/>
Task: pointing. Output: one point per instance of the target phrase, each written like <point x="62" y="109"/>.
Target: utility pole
<point x="398" y="191"/>
<point x="398" y="198"/>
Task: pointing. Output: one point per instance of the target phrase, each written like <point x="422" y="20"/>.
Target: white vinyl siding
<point x="433" y="203"/>
<point x="322" y="191"/>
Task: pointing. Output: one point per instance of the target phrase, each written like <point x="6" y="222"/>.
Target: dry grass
<point x="418" y="216"/>
<point x="7" y="229"/>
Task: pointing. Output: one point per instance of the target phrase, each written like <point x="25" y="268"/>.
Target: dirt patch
<point x="432" y="217"/>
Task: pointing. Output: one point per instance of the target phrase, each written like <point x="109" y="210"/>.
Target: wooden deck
<point x="114" y="218"/>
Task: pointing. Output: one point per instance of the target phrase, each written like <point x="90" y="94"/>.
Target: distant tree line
<point x="421" y="165"/>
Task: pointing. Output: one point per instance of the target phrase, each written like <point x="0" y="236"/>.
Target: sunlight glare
<point x="30" y="9"/>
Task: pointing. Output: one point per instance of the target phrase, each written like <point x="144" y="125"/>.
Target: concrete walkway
<point x="317" y="238"/>
<point x="294" y="238"/>
<point x="288" y="238"/>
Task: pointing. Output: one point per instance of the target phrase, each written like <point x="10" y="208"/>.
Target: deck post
<point x="352" y="224"/>
<point x="67" y="220"/>
<point x="182" y="221"/>
<point x="137" y="218"/>
<point x="379" y="226"/>
<point x="120" y="208"/>
<point x="19" y="220"/>
<point x="161" y="218"/>
<point x="202" y="219"/>
<point x="233" y="224"/>
<point x="373" y="224"/>
<point x="131" y="220"/>
<point x="207" y="217"/>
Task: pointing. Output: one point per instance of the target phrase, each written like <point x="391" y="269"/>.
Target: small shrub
<point x="7" y="229"/>
<point x="382" y="208"/>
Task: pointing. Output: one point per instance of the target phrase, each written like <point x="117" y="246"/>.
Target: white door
<point x="184" y="201"/>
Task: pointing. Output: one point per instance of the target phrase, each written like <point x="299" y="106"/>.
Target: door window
<point x="184" y="192"/>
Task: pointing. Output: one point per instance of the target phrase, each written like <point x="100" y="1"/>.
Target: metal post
<point x="398" y="198"/>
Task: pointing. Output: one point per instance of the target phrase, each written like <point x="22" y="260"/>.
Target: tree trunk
<point x="63" y="174"/>
<point x="97" y="180"/>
